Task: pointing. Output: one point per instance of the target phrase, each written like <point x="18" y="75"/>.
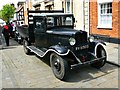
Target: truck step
<point x="36" y="51"/>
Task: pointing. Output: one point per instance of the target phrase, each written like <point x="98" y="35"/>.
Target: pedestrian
<point x="11" y="29"/>
<point x="6" y="33"/>
<point x="0" y="30"/>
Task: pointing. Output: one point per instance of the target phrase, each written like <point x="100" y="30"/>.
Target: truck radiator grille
<point x="81" y="38"/>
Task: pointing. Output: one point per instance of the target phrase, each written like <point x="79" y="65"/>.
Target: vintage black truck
<point x="52" y="34"/>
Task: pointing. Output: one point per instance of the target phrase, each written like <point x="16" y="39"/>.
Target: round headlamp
<point x="72" y="41"/>
<point x="91" y="38"/>
<point x="16" y="32"/>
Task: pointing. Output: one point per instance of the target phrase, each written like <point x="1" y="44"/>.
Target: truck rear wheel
<point x="100" y="53"/>
<point x="25" y="44"/>
<point x="59" y="66"/>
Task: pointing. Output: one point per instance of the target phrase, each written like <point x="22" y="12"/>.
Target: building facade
<point x="20" y="13"/>
<point x="105" y="19"/>
<point x="80" y="9"/>
<point x="100" y="18"/>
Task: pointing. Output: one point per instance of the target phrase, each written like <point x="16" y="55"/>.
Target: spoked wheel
<point x="100" y="53"/>
<point x="25" y="44"/>
<point x="59" y="66"/>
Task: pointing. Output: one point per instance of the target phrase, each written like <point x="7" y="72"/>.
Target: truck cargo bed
<point x="22" y="30"/>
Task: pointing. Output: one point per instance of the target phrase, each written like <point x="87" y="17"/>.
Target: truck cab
<point x="45" y="25"/>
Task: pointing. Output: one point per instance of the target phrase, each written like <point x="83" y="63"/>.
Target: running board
<point x="36" y="51"/>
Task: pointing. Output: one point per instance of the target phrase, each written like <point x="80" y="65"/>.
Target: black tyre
<point x="25" y="44"/>
<point x="100" y="53"/>
<point x="59" y="66"/>
<point x="19" y="38"/>
<point x="19" y="41"/>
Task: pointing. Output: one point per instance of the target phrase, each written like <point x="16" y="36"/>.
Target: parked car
<point x="53" y="34"/>
<point x="17" y="35"/>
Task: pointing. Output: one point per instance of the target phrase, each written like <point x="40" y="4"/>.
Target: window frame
<point x="104" y="26"/>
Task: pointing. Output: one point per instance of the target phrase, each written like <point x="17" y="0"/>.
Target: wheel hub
<point x="57" y="65"/>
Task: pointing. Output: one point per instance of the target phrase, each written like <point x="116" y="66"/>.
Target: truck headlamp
<point x="72" y="41"/>
<point x="91" y="38"/>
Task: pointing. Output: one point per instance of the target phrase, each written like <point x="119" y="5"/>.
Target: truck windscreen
<point x="59" y="21"/>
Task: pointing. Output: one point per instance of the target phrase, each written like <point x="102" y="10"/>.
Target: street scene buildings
<point x="99" y="18"/>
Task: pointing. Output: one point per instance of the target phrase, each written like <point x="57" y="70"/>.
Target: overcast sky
<point x="3" y="2"/>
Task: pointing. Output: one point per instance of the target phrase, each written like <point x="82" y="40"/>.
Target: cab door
<point x="40" y="32"/>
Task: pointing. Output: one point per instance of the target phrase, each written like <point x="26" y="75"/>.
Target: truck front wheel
<point x="100" y="53"/>
<point x="25" y="44"/>
<point x="59" y="66"/>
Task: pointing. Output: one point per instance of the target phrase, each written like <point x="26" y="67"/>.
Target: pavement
<point x="29" y="71"/>
<point x="113" y="51"/>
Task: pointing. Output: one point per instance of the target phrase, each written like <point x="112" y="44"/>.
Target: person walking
<point x="11" y="29"/>
<point x="6" y="33"/>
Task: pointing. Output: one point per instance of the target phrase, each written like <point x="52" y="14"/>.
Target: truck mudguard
<point x="60" y="50"/>
<point x="94" y="45"/>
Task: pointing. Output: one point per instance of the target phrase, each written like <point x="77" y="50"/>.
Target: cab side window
<point x="40" y="24"/>
<point x="50" y="22"/>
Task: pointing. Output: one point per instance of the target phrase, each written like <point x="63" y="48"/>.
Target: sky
<point x="3" y="2"/>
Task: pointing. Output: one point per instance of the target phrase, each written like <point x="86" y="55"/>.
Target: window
<point x="50" y="22"/>
<point x="105" y="15"/>
<point x="40" y="24"/>
<point x="67" y="21"/>
<point x="68" y="6"/>
<point x="59" y="21"/>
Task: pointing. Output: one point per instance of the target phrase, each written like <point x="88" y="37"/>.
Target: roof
<point x="51" y="14"/>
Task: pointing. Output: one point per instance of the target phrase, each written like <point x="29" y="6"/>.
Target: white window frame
<point x="99" y="13"/>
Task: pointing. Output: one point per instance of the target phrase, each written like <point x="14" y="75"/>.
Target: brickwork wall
<point x="119" y="19"/>
<point x="115" y="20"/>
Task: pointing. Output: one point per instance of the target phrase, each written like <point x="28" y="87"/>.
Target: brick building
<point x="105" y="19"/>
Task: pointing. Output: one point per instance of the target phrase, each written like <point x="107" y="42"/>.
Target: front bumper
<point x="87" y="62"/>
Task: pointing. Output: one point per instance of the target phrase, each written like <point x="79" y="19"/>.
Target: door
<point x="40" y="32"/>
